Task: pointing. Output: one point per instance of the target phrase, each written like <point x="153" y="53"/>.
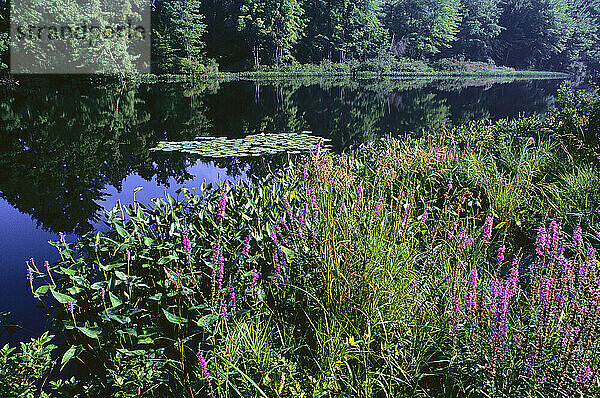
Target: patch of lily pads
<point x="252" y="145"/>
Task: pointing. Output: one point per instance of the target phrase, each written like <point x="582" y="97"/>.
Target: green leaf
<point x="91" y="333"/>
<point x="121" y="231"/>
<point x="167" y="259"/>
<point x="114" y="301"/>
<point x="121" y="275"/>
<point x="42" y="290"/>
<point x="68" y="355"/>
<point x="62" y="298"/>
<point x="174" y="318"/>
<point x="207" y="320"/>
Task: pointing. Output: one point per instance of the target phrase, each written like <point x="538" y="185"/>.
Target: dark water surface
<point x="70" y="148"/>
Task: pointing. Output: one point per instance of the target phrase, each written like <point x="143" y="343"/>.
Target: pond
<point x="73" y="147"/>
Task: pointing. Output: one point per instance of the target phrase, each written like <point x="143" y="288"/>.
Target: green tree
<point x="179" y="36"/>
<point x="479" y="27"/>
<point x="428" y="26"/>
<point x="274" y="26"/>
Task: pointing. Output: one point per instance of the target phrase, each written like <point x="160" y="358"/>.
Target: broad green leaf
<point x="62" y="298"/>
<point x="89" y="332"/>
<point x="68" y="355"/>
<point x="174" y="318"/>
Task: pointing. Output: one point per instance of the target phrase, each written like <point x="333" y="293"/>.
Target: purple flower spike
<point x="222" y="203"/>
<point x="455" y="314"/>
<point x="255" y="276"/>
<point x="578" y="238"/>
<point x="425" y="213"/>
<point x="232" y="298"/>
<point x="541" y="242"/>
<point x="313" y="197"/>
<point x="203" y="366"/>
<point x="71" y="308"/>
<point x="487" y="228"/>
<point x="359" y="192"/>
<point x="224" y="312"/>
<point x="378" y="207"/>
<point x="246" y="249"/>
<point x="501" y="251"/>
<point x="220" y="271"/>
<point x="585" y="376"/>
<point x="286" y="205"/>
<point x="187" y="245"/>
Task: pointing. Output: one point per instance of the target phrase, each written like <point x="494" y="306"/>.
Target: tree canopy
<point x="192" y="35"/>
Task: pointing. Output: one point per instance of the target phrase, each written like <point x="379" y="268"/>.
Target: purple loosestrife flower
<point x="452" y="232"/>
<point x="500" y="255"/>
<point x="554" y="235"/>
<point x="577" y="238"/>
<point x="232" y="297"/>
<point x="220" y="271"/>
<point x="546" y="284"/>
<point x="72" y="308"/>
<point x="246" y="248"/>
<point x="312" y="196"/>
<point x="487" y="228"/>
<point x="541" y="242"/>
<point x="449" y="188"/>
<point x="471" y="304"/>
<point x="224" y="311"/>
<point x="585" y="377"/>
<point x="187" y="245"/>
<point x="378" y="207"/>
<point x="405" y="215"/>
<point x="455" y="315"/>
<point x="305" y="172"/>
<point x="222" y="203"/>
<point x="255" y="276"/>
<point x="102" y="293"/>
<point x="286" y="205"/>
<point x="203" y="366"/>
<point x="359" y="192"/>
<point x="215" y="253"/>
<point x="274" y="238"/>
<point x="277" y="273"/>
<point x="466" y="242"/>
<point x="568" y="276"/>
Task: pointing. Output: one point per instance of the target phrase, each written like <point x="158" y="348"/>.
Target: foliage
<point x="24" y="372"/>
<point x="461" y="263"/>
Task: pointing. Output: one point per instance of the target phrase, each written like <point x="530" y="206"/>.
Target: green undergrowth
<point x="460" y="263"/>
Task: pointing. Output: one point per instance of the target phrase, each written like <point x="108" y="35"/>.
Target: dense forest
<point x="236" y="35"/>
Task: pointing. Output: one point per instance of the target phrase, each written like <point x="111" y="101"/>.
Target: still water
<point x="71" y="148"/>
